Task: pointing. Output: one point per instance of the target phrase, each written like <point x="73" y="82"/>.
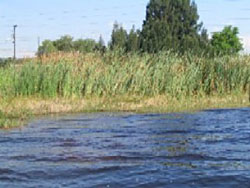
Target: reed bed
<point x="115" y="75"/>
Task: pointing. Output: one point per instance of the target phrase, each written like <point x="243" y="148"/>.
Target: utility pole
<point x="14" y="41"/>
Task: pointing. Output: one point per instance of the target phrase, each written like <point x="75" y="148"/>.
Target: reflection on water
<point x="205" y="149"/>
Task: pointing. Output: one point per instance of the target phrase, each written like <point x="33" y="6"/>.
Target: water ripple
<point x="206" y="149"/>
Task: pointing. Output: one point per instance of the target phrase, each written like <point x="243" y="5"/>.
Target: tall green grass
<point x="126" y="74"/>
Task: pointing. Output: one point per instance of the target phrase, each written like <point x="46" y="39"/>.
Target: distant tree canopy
<point x="47" y="47"/>
<point x="133" y="41"/>
<point x="87" y="45"/>
<point x="100" y="45"/>
<point x="120" y="39"/>
<point x="172" y="25"/>
<point x="227" y="41"/>
<point x="67" y="44"/>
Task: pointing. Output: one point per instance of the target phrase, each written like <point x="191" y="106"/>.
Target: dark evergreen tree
<point x="133" y="40"/>
<point x="101" y="42"/>
<point x="118" y="37"/>
<point x="204" y="43"/>
<point x="101" y="45"/>
<point x="171" y="25"/>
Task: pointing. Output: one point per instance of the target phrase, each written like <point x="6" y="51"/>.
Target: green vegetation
<point x="67" y="44"/>
<point x="5" y="61"/>
<point x="116" y="74"/>
<point x="169" y="65"/>
<point x="129" y="77"/>
<point x="172" y="25"/>
<point x="226" y="42"/>
<point x="118" y="37"/>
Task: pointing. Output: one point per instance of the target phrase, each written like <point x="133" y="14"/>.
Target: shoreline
<point x="115" y="82"/>
<point x="16" y="112"/>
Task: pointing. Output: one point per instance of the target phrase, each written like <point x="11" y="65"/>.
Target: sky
<point x="38" y="20"/>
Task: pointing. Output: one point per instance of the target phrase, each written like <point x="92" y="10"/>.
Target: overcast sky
<point x="50" y="19"/>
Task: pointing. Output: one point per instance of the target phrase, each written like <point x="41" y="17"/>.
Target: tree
<point x="64" y="44"/>
<point x="204" y="43"/>
<point x="227" y="41"/>
<point x="118" y="37"/>
<point x="46" y="48"/>
<point x="85" y="45"/>
<point x="171" y="25"/>
<point x="133" y="40"/>
<point x="67" y="44"/>
<point x="101" y="45"/>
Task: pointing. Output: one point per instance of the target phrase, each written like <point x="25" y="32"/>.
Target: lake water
<point x="205" y="149"/>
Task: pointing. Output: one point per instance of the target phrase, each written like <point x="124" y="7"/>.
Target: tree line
<point x="170" y="25"/>
<point x="67" y="44"/>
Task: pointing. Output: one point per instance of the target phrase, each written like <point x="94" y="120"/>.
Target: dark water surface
<point x="206" y="149"/>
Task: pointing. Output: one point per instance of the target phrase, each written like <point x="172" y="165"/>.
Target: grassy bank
<point x="164" y="82"/>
